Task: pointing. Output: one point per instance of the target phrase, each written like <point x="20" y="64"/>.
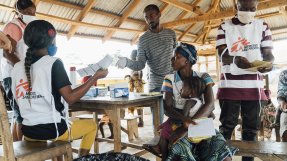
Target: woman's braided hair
<point x="38" y="34"/>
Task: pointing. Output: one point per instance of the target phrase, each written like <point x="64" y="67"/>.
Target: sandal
<point x="152" y="146"/>
<point x="151" y="149"/>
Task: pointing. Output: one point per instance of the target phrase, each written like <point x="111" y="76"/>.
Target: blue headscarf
<point x="188" y="51"/>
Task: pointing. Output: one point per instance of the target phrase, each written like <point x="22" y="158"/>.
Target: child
<point x="40" y="83"/>
<point x="136" y="85"/>
<point x="104" y="121"/>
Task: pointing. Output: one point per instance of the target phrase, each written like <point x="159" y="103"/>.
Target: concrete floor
<point x="146" y="133"/>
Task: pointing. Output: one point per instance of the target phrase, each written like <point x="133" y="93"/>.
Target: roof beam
<point x="223" y="14"/>
<point x="191" y="26"/>
<point x="36" y="2"/>
<point x="184" y="6"/>
<point x="90" y="25"/>
<point x="125" y="15"/>
<point x="80" y="17"/>
<point x="95" y="11"/>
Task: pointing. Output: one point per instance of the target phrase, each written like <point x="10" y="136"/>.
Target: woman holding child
<point x="188" y="96"/>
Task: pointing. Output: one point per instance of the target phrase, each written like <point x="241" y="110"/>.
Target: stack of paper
<point x="203" y="128"/>
<point x="93" y="68"/>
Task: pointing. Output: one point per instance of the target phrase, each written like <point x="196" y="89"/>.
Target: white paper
<point x="203" y="128"/>
<point x="93" y="68"/>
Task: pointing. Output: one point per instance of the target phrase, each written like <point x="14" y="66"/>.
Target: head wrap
<point x="188" y="51"/>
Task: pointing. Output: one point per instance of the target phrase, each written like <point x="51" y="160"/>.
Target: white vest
<point x="242" y="41"/>
<point x="20" y="52"/>
<point x="41" y="108"/>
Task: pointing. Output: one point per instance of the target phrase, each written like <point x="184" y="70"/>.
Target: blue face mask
<point x="52" y="50"/>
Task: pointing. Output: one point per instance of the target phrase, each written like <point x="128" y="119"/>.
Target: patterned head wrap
<point x="188" y="51"/>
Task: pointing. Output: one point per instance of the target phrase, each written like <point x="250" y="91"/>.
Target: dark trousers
<point x="230" y="110"/>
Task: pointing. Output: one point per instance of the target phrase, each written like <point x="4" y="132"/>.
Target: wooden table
<point x="112" y="107"/>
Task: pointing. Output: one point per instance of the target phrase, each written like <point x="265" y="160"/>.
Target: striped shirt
<point x="235" y="93"/>
<point x="155" y="49"/>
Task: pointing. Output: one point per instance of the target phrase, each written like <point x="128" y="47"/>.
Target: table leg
<point x="96" y="143"/>
<point x="156" y="114"/>
<point x="117" y="129"/>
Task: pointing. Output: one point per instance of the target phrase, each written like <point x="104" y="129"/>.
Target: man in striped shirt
<point x="241" y="41"/>
<point x="155" y="48"/>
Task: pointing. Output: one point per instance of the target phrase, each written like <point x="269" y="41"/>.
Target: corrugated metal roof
<point x="118" y="7"/>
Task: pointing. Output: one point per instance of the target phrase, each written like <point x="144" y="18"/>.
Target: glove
<point x="122" y="62"/>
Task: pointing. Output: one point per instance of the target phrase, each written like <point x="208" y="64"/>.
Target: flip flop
<point x="150" y="148"/>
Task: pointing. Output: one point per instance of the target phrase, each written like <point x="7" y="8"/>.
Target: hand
<point x="122" y="62"/>
<point x="265" y="70"/>
<point x="187" y="122"/>
<point x="283" y="105"/>
<point x="101" y="73"/>
<point x="242" y="62"/>
<point x="5" y="43"/>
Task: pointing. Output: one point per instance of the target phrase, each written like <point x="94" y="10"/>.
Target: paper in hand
<point x="93" y="68"/>
<point x="203" y="128"/>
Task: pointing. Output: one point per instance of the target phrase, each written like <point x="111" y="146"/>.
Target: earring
<point x="186" y="62"/>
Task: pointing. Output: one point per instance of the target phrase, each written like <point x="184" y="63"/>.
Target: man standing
<point x="241" y="41"/>
<point x="156" y="49"/>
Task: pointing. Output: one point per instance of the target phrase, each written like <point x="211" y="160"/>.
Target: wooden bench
<point x="266" y="151"/>
<point x="132" y="125"/>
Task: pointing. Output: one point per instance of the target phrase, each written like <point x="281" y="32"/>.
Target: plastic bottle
<point x="73" y="76"/>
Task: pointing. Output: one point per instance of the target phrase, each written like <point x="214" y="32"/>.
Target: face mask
<point x="52" y="50"/>
<point x="28" y="18"/>
<point x="246" y="17"/>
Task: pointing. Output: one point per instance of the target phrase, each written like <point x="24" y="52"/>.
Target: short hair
<point x="24" y="4"/>
<point x="151" y="7"/>
<point x="242" y="0"/>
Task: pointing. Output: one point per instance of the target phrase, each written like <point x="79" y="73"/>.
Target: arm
<point x="10" y="56"/>
<point x="14" y="34"/>
<point x="282" y="90"/>
<point x="169" y="109"/>
<point x="139" y="63"/>
<point x="241" y="62"/>
<point x="72" y="95"/>
<point x="208" y="106"/>
<point x="267" y="56"/>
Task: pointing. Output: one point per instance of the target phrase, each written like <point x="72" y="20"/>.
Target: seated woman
<point x="177" y="92"/>
<point x="40" y="82"/>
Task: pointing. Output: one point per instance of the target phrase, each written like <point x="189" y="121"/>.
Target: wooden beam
<point x="36" y="2"/>
<point x="186" y="31"/>
<point x="80" y="17"/>
<point x="195" y="3"/>
<point x="95" y="11"/>
<point x="184" y="6"/>
<point x="84" y="24"/>
<point x="223" y="14"/>
<point x="125" y="15"/>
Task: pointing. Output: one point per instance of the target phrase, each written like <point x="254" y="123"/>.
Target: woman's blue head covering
<point x="188" y="51"/>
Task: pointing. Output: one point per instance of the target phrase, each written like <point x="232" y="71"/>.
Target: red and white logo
<point x="239" y="45"/>
<point x="22" y="89"/>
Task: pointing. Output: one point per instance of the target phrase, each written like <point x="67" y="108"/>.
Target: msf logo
<point x="22" y="89"/>
<point x="239" y="45"/>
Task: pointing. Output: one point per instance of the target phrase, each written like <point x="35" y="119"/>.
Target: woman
<point x="25" y="11"/>
<point x="176" y="93"/>
<point x="39" y="82"/>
